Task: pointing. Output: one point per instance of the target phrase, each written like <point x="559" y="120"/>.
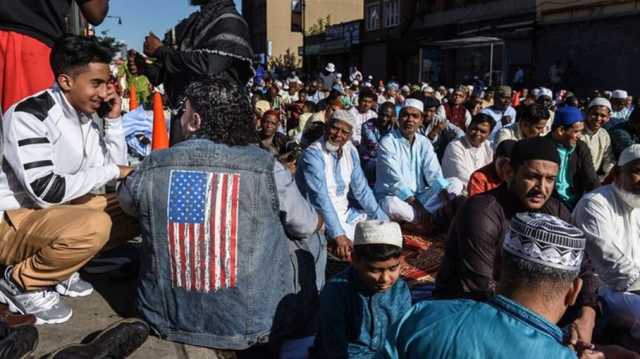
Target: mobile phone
<point x="104" y="109"/>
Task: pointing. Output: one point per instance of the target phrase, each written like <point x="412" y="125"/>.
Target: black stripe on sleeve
<point x="36" y="164"/>
<point x="57" y="190"/>
<point x="33" y="141"/>
<point x="38" y="186"/>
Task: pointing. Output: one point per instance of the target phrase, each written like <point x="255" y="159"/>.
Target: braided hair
<point x="223" y="104"/>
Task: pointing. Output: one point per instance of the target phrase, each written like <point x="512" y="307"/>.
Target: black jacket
<point x="583" y="175"/>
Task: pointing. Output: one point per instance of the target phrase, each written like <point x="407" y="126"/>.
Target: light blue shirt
<point x="564" y="183"/>
<point x="497" y="116"/>
<point x="618" y="117"/>
<point x="498" y="329"/>
<point x="310" y="177"/>
<point x="407" y="170"/>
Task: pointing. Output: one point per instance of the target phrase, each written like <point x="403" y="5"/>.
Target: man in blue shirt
<point x="409" y="180"/>
<point x="542" y="256"/>
<point x="360" y="304"/>
<point x="328" y="171"/>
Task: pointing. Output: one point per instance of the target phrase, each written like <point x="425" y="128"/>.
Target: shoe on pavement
<point x="20" y="342"/>
<point x="119" y="340"/>
<point x="45" y="305"/>
<point x="74" y="287"/>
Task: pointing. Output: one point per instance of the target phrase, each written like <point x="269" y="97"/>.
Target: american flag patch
<point x="202" y="224"/>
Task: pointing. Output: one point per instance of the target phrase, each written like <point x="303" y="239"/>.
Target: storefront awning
<point x="476" y="41"/>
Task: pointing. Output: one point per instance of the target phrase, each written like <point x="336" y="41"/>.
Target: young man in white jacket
<point x="53" y="157"/>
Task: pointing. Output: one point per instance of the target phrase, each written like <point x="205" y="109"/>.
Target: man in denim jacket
<point x="229" y="243"/>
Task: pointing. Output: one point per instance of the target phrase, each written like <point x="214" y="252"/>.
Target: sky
<point x="141" y="16"/>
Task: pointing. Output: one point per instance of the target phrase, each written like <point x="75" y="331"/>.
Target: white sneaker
<point x="45" y="305"/>
<point x="74" y="287"/>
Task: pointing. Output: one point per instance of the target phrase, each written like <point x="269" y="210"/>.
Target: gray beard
<point x="630" y="199"/>
<point x="330" y="147"/>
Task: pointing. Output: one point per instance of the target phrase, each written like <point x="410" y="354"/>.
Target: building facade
<point x="270" y="22"/>
<point x="594" y="43"/>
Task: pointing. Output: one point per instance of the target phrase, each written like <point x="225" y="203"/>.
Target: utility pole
<point x="304" y="36"/>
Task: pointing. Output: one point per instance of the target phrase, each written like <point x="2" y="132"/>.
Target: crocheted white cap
<point x="378" y="232"/>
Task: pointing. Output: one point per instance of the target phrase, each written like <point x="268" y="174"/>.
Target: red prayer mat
<point x="421" y="259"/>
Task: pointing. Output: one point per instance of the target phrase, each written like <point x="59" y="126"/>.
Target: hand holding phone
<point x="111" y="108"/>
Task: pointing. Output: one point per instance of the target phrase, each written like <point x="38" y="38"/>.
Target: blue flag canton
<point x="187" y="196"/>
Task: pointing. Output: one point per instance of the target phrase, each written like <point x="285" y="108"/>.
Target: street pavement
<point x="112" y="300"/>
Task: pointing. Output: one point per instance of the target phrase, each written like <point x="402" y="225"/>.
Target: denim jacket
<point x="218" y="269"/>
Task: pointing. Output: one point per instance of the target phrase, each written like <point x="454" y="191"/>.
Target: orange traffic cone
<point x="133" y="98"/>
<point x="515" y="99"/>
<point x="160" y="135"/>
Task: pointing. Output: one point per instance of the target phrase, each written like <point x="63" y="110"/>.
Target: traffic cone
<point x="160" y="139"/>
<point x="515" y="99"/>
<point x="133" y="97"/>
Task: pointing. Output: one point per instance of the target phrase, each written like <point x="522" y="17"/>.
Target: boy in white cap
<point x="610" y="218"/>
<point x="358" y="305"/>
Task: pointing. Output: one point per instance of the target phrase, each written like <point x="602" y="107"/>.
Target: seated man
<point x="438" y="130"/>
<point x="576" y="175"/>
<point x="470" y="268"/>
<point x="204" y="205"/>
<point x="471" y="152"/>
<point x="596" y="137"/>
<point x="54" y="154"/>
<point x="610" y="218"/>
<point x="455" y="110"/>
<point x="358" y="305"/>
<point x="372" y="132"/>
<point x="495" y="173"/>
<point x="270" y="138"/>
<point x="532" y="121"/>
<point x="409" y="181"/>
<point x="626" y="133"/>
<point x="541" y="259"/>
<point x="330" y="170"/>
<point x="501" y="110"/>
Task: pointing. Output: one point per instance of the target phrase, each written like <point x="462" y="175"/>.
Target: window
<point x="391" y="13"/>
<point x="372" y="17"/>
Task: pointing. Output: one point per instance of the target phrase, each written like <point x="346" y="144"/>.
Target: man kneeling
<point x="54" y="155"/>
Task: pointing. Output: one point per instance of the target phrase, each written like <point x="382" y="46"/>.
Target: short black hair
<point x="505" y="148"/>
<point x="518" y="273"/>
<point x="71" y="52"/>
<point x="376" y="252"/>
<point x="483" y="118"/>
<point x="533" y="113"/>
<point x="430" y="102"/>
<point x="367" y="93"/>
<point x="387" y="105"/>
